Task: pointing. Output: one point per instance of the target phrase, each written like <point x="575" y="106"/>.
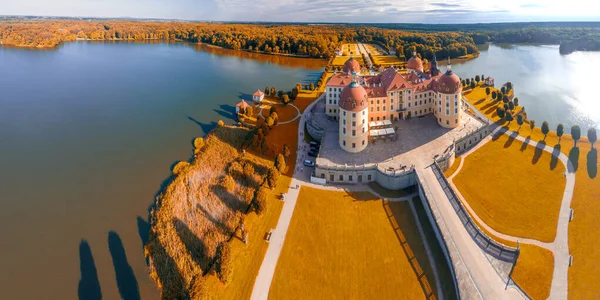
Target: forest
<point x="286" y="39"/>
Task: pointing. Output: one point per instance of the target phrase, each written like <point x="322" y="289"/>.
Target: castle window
<point x="344" y="130"/>
<point x="377" y="118"/>
<point x="363" y="121"/>
<point x="384" y="117"/>
<point x="353" y="123"/>
<point x="363" y="142"/>
<point x="369" y="177"/>
<point x="353" y="146"/>
<point x="344" y="114"/>
<point x="363" y="112"/>
<point x="353" y="132"/>
<point x="341" y="177"/>
<point x="447" y="122"/>
<point x="350" y="176"/>
<point x="354" y="115"/>
<point x="344" y="142"/>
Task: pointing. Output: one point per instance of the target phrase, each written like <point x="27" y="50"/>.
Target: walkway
<point x="560" y="246"/>
<point x="267" y="269"/>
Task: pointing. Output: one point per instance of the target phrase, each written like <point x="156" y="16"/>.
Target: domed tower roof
<point x="414" y="63"/>
<point x="353" y="97"/>
<point x="449" y="83"/>
<point x="351" y="65"/>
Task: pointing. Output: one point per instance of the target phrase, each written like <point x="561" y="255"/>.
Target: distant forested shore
<point x="289" y="39"/>
<point x="302" y="39"/>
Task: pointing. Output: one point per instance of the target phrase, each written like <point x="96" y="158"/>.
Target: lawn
<point x="533" y="271"/>
<point x="515" y="190"/>
<point x="453" y="167"/>
<point x="342" y="246"/>
<point x="284" y="112"/>
<point x="339" y="61"/>
<point x="583" y="230"/>
<point x="386" y="60"/>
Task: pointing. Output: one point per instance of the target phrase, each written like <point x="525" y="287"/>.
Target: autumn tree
<point x="260" y="202"/>
<point x="285" y="99"/>
<point x="487" y="91"/>
<point x="267" y="91"/>
<point x="477" y="78"/>
<point x="198" y="144"/>
<point x="270" y="122"/>
<point x="500" y="112"/>
<point x="509" y="117"/>
<point x="224" y="263"/>
<point x="273" y="176"/>
<point x="286" y="151"/>
<point x="531" y="126"/>
<point x="516" y="101"/>
<point x="273" y="92"/>
<point x="280" y="163"/>
<point x="312" y="86"/>
<point x="494" y="95"/>
<point x="227" y="183"/>
<point x="472" y="84"/>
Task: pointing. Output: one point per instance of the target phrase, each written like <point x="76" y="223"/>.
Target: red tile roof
<point x="258" y="93"/>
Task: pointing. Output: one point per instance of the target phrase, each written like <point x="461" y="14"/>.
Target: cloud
<point x="442" y="4"/>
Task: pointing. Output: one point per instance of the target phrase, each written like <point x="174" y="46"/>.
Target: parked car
<point x="315" y="144"/>
<point x="314" y="148"/>
<point x="313" y="153"/>
<point x="309" y="163"/>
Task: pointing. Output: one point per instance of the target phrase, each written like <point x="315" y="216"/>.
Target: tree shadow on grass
<point x="226" y="111"/>
<point x="126" y="281"/>
<point x="510" y="139"/>
<point x="539" y="149"/>
<point x="245" y="97"/>
<point x="592" y="163"/>
<point x="574" y="158"/>
<point x="525" y="144"/>
<point x="194" y="245"/>
<point x="555" y="155"/>
<point x="89" y="286"/>
<point x="173" y="284"/>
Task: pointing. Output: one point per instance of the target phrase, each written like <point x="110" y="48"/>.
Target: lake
<point x="88" y="133"/>
<point x="552" y="87"/>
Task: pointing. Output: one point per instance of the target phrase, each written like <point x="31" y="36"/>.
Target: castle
<point x="360" y="103"/>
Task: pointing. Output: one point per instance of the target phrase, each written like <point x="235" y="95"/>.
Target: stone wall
<point x="351" y="174"/>
<point x="488" y="245"/>
<point x="465" y="143"/>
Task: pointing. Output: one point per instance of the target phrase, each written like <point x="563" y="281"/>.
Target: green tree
<point x="531" y="126"/>
<point x="464" y="83"/>
<point x="509" y="117"/>
<point x="477" y="78"/>
<point x="499" y="96"/>
<point x="505" y="99"/>
<point x="472" y="84"/>
<point x="468" y="81"/>
<point x="545" y="129"/>
<point x="592" y="136"/>
<point x="576" y="133"/>
<point x="560" y="130"/>
<point x="312" y="86"/>
<point x="503" y="90"/>
<point x="487" y="91"/>
<point x="511" y="105"/>
<point x="285" y="99"/>
<point x="500" y="112"/>
<point x="494" y="95"/>
<point x="520" y="120"/>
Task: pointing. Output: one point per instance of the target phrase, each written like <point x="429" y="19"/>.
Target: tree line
<point x="286" y="39"/>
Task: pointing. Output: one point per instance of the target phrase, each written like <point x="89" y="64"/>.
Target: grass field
<point x="374" y="50"/>
<point x="515" y="190"/>
<point x="533" y="271"/>
<point x="342" y="246"/>
<point x="453" y="167"/>
<point x="387" y="60"/>
<point x="339" y="61"/>
<point x="583" y="232"/>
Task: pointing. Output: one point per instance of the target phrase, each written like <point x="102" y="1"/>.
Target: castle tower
<point x="449" y="99"/>
<point x="353" y="116"/>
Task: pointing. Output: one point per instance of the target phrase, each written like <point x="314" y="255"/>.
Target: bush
<point x="198" y="144"/>
<point x="270" y="122"/>
<point x="273" y="177"/>
<point x="227" y="183"/>
<point x="248" y="171"/>
<point x="272" y="110"/>
<point x="260" y="203"/>
<point x="224" y="263"/>
<point x="198" y="290"/>
<point x="180" y="167"/>
<point x="221" y="123"/>
<point x="280" y="163"/>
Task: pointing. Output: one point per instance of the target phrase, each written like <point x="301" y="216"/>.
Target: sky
<point x="350" y="11"/>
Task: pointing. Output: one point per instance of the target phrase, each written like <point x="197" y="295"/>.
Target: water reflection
<point x="553" y="87"/>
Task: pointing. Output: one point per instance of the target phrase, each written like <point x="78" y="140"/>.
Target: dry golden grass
<point x="583" y="232"/>
<point x="533" y="271"/>
<point x="453" y="167"/>
<point x="284" y="112"/>
<point x="342" y="245"/>
<point x="339" y="61"/>
<point x="387" y="60"/>
<point x="515" y="190"/>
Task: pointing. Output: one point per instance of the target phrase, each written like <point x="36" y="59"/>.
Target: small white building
<point x="489" y="81"/>
<point x="258" y="96"/>
<point x="338" y="52"/>
<point x="392" y="51"/>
